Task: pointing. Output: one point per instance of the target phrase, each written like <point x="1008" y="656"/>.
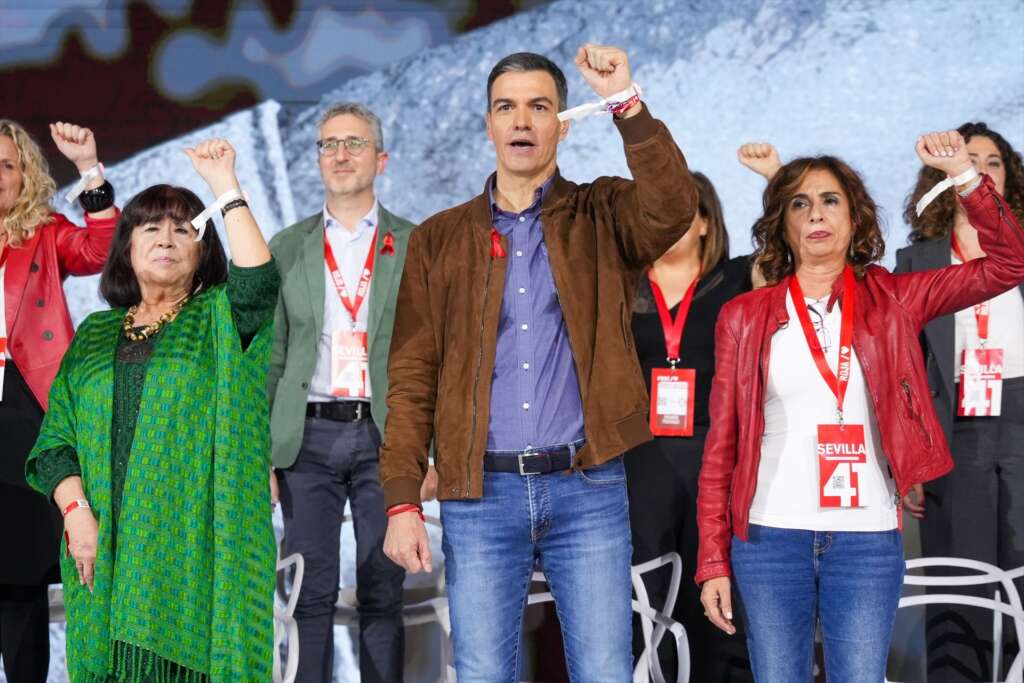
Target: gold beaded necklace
<point x="152" y="328"/>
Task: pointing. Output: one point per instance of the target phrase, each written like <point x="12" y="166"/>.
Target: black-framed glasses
<point x="353" y="145"/>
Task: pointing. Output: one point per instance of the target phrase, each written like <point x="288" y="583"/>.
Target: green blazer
<point x="299" y="252"/>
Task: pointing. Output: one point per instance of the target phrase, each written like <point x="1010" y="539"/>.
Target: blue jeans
<point x="576" y="524"/>
<point x="788" y="579"/>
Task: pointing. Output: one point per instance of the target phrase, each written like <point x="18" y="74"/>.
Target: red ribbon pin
<point x="497" y="251"/>
<point x="388" y="246"/>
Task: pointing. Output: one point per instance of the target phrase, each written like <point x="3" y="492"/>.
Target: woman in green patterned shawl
<point x="156" y="448"/>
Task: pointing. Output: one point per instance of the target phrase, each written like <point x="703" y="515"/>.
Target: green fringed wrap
<point x="189" y="596"/>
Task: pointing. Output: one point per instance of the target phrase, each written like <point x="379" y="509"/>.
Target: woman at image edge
<point x="801" y="549"/>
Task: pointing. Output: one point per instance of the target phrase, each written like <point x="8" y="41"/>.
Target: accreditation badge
<point x="350" y="365"/>
<point x="981" y="383"/>
<point x="842" y="456"/>
<point x="672" y="401"/>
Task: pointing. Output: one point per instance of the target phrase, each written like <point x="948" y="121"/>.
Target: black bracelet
<point x="233" y="204"/>
<point x="100" y="199"/>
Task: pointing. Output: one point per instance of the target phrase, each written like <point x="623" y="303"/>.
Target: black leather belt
<point x="539" y="462"/>
<point x="339" y="411"/>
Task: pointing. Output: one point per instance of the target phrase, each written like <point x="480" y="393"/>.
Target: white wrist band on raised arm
<point x="79" y="187"/>
<point x="606" y="105"/>
<point x="962" y="179"/>
<point x="199" y="222"/>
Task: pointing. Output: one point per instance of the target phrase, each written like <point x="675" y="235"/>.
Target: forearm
<point x="246" y="242"/>
<point x="413" y="366"/>
<point x="999" y="233"/>
<point x="661" y="201"/>
<point x="69" y="489"/>
<point x="718" y="462"/>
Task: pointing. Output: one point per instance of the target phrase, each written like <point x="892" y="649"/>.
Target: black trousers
<point x="30" y="539"/>
<point x="661" y="476"/>
<point x="338" y="462"/>
<point x="977" y="512"/>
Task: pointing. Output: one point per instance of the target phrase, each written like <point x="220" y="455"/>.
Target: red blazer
<point x="891" y="312"/>
<point x="39" y="326"/>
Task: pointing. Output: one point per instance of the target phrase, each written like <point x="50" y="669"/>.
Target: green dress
<point x="178" y="483"/>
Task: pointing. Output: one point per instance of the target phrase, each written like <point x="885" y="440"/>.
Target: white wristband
<point x="79" y="187"/>
<point x="601" y="106"/>
<point x="199" y="222"/>
<point x="962" y="179"/>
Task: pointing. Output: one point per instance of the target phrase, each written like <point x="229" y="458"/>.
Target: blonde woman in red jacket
<point x="39" y="248"/>
<point x="821" y="415"/>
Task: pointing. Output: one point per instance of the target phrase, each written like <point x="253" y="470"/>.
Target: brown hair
<point x="937" y="219"/>
<point x="714" y="246"/>
<point x="32" y="207"/>
<point x="773" y="254"/>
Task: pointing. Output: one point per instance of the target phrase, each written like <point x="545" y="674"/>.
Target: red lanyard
<point x="980" y="310"/>
<point x="673" y="329"/>
<point x="836" y="384"/>
<point x="351" y="305"/>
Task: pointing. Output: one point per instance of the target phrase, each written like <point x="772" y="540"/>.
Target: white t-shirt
<point x="1005" y="331"/>
<point x="350" y="250"/>
<point x="796" y="401"/>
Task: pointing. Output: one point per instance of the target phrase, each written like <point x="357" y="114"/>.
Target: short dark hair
<point x="530" y="61"/>
<point x="118" y="283"/>
<point x="773" y="253"/>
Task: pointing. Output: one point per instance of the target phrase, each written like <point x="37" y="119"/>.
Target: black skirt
<point x="31" y="539"/>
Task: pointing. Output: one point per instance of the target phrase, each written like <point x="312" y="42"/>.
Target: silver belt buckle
<point x="522" y="471"/>
<point x="359" y="410"/>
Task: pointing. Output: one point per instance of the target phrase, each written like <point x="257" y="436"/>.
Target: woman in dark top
<point x="662" y="474"/>
<point x="976" y="511"/>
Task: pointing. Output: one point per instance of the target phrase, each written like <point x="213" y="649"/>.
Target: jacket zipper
<point x="914" y="411"/>
<point x="476" y="378"/>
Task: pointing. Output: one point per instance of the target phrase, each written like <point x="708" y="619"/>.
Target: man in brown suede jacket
<point x="512" y="351"/>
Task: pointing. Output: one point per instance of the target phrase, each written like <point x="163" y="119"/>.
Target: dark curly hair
<point x="937" y="219"/>
<point x="773" y="254"/>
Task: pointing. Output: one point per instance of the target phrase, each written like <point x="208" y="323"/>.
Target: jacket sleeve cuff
<point x="401" y="490"/>
<point x="111" y="222"/>
<point x="712" y="570"/>
<point x="639" y="127"/>
<point x="978" y="196"/>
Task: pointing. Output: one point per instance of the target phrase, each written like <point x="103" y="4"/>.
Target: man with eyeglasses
<point x="340" y="270"/>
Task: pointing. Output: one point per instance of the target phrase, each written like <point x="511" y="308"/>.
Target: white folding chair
<point x="984" y="573"/>
<point x="284" y="619"/>
<point x="654" y="622"/>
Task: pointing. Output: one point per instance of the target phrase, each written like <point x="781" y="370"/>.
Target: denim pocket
<point x="611" y="472"/>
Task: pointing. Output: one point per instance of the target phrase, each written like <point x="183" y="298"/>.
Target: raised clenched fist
<point x="76" y="143"/>
<point x="604" y="68"/>
<point x="760" y="157"/>
<point x="214" y="160"/>
<point x="945" y="151"/>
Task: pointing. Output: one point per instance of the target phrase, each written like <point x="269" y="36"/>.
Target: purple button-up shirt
<point x="535" y="394"/>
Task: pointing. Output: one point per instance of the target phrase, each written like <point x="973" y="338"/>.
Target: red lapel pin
<point x="497" y="251"/>
<point x="388" y="246"/>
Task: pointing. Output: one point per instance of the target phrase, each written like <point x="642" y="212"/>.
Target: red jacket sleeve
<point x="83" y="252"/>
<point x="714" y="520"/>
<point x="933" y="293"/>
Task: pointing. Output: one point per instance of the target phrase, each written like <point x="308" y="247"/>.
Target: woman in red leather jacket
<point x="821" y="418"/>
<point x="38" y="249"/>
